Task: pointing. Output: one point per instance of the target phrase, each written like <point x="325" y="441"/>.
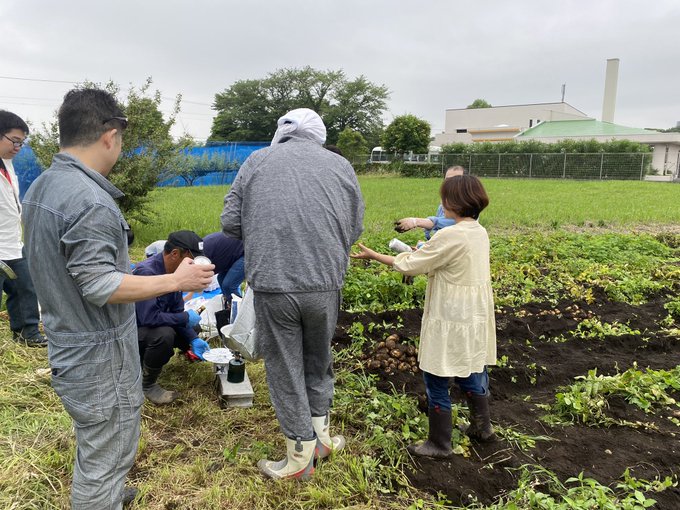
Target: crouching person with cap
<point x="162" y="323"/>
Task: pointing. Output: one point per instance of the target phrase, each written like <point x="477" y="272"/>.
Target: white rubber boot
<point x="325" y="444"/>
<point x="298" y="463"/>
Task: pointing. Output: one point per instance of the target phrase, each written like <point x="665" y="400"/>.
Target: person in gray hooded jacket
<point x="298" y="208"/>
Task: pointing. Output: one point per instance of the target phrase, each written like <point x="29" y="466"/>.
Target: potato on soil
<point x="390" y="343"/>
<point x="393" y="337"/>
<point x="396" y="353"/>
<point x="411" y="350"/>
<point x="404" y="367"/>
<point x="375" y="364"/>
<point x="380" y="345"/>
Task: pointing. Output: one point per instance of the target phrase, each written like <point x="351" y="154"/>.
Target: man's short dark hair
<point x="10" y="121"/>
<point x="464" y="195"/>
<point x="85" y="115"/>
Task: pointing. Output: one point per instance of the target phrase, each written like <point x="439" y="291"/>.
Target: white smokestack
<point x="610" y="82"/>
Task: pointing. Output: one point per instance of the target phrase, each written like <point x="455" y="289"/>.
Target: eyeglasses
<point x="17" y="145"/>
<point x="122" y="120"/>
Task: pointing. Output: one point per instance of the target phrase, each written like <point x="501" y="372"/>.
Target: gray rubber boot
<point x="325" y="443"/>
<point x="438" y="444"/>
<point x="298" y="462"/>
<point x="480" y="428"/>
<point x="152" y="390"/>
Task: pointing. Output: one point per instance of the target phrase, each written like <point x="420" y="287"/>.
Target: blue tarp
<point x="233" y="152"/>
<point x="28" y="169"/>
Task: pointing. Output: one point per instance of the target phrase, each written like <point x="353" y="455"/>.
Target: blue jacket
<point x="165" y="310"/>
<point x="222" y="251"/>
<point x="440" y="221"/>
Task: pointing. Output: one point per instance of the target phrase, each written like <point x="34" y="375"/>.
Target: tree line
<point x="352" y="108"/>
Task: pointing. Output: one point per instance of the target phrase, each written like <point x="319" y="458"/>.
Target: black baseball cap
<point x="187" y="240"/>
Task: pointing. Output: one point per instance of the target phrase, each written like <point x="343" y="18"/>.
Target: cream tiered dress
<point x="458" y="331"/>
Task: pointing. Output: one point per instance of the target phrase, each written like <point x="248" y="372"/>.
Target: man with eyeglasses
<point x="15" y="278"/>
<point x="77" y="249"/>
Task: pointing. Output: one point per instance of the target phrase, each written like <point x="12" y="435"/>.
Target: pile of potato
<point x="392" y="356"/>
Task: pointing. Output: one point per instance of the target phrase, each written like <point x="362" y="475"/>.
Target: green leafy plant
<point x="586" y="400"/>
<point x="540" y="489"/>
<point x="593" y="328"/>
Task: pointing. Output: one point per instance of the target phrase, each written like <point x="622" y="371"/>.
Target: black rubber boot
<point x="480" y="428"/>
<point x="438" y="444"/>
<point x="36" y="340"/>
<point x="152" y="390"/>
<point x="129" y="494"/>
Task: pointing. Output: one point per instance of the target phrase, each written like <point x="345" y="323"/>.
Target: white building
<point x="500" y="123"/>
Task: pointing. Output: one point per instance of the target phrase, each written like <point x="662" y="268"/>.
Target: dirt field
<point x="535" y="368"/>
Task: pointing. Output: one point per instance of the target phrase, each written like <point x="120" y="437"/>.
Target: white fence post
<point x="642" y="166"/>
<point x="601" y="164"/>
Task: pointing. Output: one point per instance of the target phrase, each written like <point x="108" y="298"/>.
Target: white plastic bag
<point x="240" y="335"/>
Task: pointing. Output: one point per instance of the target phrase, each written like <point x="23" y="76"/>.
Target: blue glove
<point x="194" y="318"/>
<point x="199" y="346"/>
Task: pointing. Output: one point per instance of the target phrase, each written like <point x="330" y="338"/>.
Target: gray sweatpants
<point x="294" y="333"/>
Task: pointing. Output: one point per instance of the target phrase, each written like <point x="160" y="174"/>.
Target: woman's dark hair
<point x="464" y="195"/>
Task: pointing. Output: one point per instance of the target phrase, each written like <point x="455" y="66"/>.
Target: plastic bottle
<point x="399" y="246"/>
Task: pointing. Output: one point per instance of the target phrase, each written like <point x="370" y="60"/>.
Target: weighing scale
<point x="230" y="394"/>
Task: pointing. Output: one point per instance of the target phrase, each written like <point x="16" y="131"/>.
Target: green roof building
<point x="666" y="146"/>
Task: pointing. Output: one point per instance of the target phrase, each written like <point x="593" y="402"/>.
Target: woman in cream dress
<point x="458" y="331"/>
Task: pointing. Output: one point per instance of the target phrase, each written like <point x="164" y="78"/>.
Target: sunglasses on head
<point x="121" y="120"/>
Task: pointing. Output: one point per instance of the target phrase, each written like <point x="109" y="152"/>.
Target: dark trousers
<point x="22" y="303"/>
<point x="437" y="388"/>
<point x="157" y="345"/>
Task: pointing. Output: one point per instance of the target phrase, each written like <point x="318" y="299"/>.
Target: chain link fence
<point x="592" y="166"/>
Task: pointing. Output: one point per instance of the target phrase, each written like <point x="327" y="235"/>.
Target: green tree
<point x="479" y="103"/>
<point x="352" y="144"/>
<point x="248" y="109"/>
<point x="407" y="133"/>
<point x="148" y="147"/>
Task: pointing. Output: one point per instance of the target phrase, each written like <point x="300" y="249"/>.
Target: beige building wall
<point x="500" y="123"/>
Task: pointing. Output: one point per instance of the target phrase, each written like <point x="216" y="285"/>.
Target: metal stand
<point x="230" y="394"/>
<point x="233" y="394"/>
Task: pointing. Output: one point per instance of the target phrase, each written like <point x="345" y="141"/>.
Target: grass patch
<point x="514" y="203"/>
<point x="194" y="455"/>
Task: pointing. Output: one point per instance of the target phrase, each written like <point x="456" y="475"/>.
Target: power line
<point x="35" y="79"/>
<point x="41" y="80"/>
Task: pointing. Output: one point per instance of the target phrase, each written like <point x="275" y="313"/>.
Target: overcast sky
<point x="432" y="55"/>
